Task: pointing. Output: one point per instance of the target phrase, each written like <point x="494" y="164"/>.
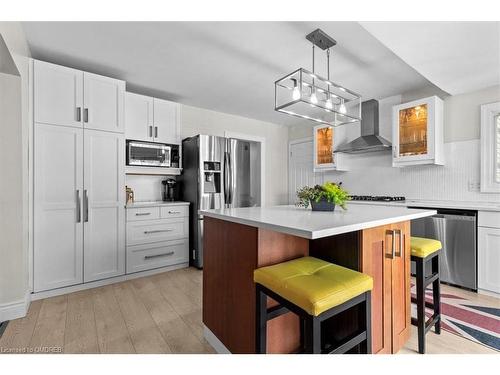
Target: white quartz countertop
<point x="308" y="224"/>
<point x="463" y="205"/>
<point x="155" y="204"/>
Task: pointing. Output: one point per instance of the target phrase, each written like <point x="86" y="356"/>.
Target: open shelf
<point x="154" y="171"/>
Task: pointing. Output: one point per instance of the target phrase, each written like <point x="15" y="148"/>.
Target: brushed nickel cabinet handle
<point x="157" y="231"/>
<point x="392" y="234"/>
<point x="393" y="244"/>
<point x="158" y="255"/>
<point x="78" y="208"/>
<point x="401" y="241"/>
<point x="86" y="115"/>
<point x="156" y="131"/>
<point x="150" y="131"/>
<point x="142" y="213"/>
<point x="78" y="114"/>
<point x="85" y="206"/>
<point x="174" y="212"/>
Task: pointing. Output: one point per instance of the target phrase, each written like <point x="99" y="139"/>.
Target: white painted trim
<point x="262" y="141"/>
<point x="214" y="341"/>
<point x="300" y="140"/>
<point x="98" y="283"/>
<point x="16" y="309"/>
<point x="31" y="186"/>
<point x="488" y="147"/>
<point x="290" y="144"/>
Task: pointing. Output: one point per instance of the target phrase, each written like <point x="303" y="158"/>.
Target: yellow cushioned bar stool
<point x="315" y="290"/>
<point x="425" y="253"/>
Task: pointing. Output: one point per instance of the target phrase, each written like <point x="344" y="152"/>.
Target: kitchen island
<point x="367" y="238"/>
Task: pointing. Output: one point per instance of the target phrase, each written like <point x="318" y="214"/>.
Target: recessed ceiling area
<point x="223" y="66"/>
<point x="458" y="57"/>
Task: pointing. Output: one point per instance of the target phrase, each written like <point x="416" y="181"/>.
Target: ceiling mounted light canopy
<point x="304" y="94"/>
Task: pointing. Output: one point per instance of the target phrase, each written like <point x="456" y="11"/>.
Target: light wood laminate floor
<point x="155" y="314"/>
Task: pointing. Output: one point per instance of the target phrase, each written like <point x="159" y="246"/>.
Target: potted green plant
<point x="323" y="197"/>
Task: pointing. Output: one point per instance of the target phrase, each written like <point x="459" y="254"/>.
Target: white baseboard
<point x="488" y="293"/>
<point x="16" y="309"/>
<point x="111" y="280"/>
<point x="214" y="341"/>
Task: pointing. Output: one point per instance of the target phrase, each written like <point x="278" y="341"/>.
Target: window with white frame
<point x="490" y="148"/>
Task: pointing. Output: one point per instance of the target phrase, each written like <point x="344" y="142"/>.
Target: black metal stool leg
<point x="312" y="335"/>
<point x="368" y="317"/>
<point x="421" y="304"/>
<point x="260" y="321"/>
<point x="302" y="330"/>
<point x="436" y="295"/>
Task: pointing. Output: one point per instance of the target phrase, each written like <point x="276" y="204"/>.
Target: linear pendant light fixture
<point x="304" y="94"/>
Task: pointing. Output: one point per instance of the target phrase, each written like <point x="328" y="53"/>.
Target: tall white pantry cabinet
<point x="78" y="192"/>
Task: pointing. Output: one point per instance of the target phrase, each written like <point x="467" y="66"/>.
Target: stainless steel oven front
<point x="148" y="154"/>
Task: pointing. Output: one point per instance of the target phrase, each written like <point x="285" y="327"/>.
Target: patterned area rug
<point x="466" y="318"/>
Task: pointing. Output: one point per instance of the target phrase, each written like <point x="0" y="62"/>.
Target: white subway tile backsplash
<point x="146" y="188"/>
<point x="457" y="180"/>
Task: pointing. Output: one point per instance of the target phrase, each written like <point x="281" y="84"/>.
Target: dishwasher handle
<point x="454" y="217"/>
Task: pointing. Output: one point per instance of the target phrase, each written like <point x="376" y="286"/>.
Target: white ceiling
<point x="458" y="57"/>
<point x="224" y="66"/>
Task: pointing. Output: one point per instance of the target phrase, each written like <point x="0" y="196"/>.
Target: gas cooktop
<point x="376" y="198"/>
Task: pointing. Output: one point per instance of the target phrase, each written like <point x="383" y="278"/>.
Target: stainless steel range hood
<point x="370" y="140"/>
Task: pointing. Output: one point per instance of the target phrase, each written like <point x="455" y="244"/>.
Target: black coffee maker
<point x="168" y="194"/>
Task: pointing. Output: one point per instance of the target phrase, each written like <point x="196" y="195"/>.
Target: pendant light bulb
<point x="314" y="98"/>
<point x="328" y="103"/>
<point x="342" y="108"/>
<point x="295" y="91"/>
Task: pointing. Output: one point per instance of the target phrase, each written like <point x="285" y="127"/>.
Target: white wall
<point x="14" y="175"/>
<point x="374" y="174"/>
<point x="146" y="188"/>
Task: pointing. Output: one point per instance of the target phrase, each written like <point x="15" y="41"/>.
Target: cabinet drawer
<point x="140" y="232"/>
<point x="488" y="219"/>
<point x="174" y="211"/>
<point x="161" y="254"/>
<point x="143" y="213"/>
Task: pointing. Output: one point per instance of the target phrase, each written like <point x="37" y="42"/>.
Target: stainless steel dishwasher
<point x="457" y="231"/>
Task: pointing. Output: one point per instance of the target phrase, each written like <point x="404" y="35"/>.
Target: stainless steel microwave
<point x="149" y="154"/>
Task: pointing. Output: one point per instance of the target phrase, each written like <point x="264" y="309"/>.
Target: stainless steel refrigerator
<point x="218" y="172"/>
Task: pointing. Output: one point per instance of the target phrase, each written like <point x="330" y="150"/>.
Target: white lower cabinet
<point x="161" y="242"/>
<point x="104" y="224"/>
<point x="488" y="242"/>
<point x="79" y="206"/>
<point x="58" y="193"/>
<point x="155" y="255"/>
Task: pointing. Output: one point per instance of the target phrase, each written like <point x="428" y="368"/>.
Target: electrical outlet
<point x="474" y="186"/>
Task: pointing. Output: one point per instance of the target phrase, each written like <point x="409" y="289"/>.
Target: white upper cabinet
<point x="138" y="117"/>
<point x="104" y="205"/>
<point x="103" y="103"/>
<point x="324" y="159"/>
<point x="70" y="97"/>
<point x="151" y="119"/>
<point x="417" y="132"/>
<point x="166" y="119"/>
<point x="58" y="94"/>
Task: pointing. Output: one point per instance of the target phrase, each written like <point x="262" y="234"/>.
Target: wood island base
<point x="233" y="251"/>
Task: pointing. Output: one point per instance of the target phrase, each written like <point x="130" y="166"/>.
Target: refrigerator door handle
<point x="224" y="177"/>
<point x="228" y="174"/>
